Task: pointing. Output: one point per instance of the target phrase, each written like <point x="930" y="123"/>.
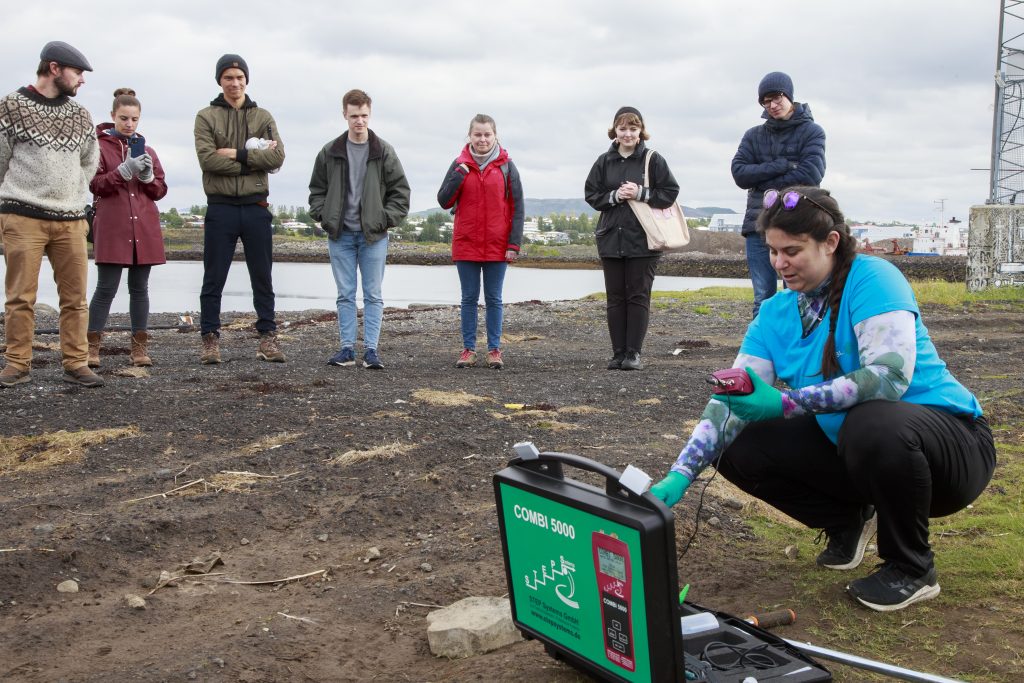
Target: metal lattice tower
<point x="1006" y="184"/>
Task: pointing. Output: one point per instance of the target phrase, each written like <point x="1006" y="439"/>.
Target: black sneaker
<point x="845" y="548"/>
<point x="891" y="588"/>
<point x="371" y="360"/>
<point x="616" y="362"/>
<point x="632" y="361"/>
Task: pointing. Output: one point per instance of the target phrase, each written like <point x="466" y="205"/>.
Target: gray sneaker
<point x="890" y="588"/>
<point x="632" y="361"/>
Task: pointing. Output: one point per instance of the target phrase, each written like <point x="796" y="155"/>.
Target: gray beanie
<point x="775" y="82"/>
<point x="65" y="55"/>
<point x="232" y="62"/>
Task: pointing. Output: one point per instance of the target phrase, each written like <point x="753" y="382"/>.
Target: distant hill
<point x="546" y="207"/>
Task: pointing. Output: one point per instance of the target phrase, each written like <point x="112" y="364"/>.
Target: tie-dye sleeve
<point x="887" y="346"/>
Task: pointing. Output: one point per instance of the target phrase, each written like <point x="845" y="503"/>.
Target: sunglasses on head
<point x="790" y="200"/>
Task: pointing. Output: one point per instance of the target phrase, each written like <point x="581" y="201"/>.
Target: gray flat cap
<point x="65" y="55"/>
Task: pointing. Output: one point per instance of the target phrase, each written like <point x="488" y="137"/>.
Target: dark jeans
<point x="225" y="224"/>
<point x="627" y="283"/>
<point x="762" y="274"/>
<point x="108" y="278"/>
<point x="910" y="461"/>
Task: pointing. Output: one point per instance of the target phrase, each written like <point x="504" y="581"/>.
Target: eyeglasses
<point x="772" y="99"/>
<point x="790" y="200"/>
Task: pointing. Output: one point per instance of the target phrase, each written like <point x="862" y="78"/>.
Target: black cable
<point x="745" y="657"/>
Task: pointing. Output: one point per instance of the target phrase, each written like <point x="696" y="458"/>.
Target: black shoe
<point x="632" y="361"/>
<point x="845" y="549"/>
<point x="890" y="588"/>
<point x="616" y="362"/>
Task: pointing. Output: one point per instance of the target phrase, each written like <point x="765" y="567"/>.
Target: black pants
<point x="627" y="283"/>
<point x="225" y="224"/>
<point x="108" y="278"/>
<point x="909" y="461"/>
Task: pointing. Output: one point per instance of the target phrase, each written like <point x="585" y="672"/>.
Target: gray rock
<point x="244" y="541"/>
<point x="134" y="601"/>
<point x="69" y="586"/>
<point x="43" y="528"/>
<point x="471" y="626"/>
<point x="714" y="521"/>
<point x="373" y="553"/>
<point x="322" y="538"/>
<point x="792" y="552"/>
<point x="733" y="503"/>
<point x="427" y="567"/>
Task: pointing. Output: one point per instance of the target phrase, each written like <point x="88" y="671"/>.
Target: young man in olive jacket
<point x="787" y="149"/>
<point x="238" y="144"/>
<point x="357" y="192"/>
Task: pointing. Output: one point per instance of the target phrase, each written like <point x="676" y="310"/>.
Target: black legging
<point x="107" y="281"/>
<point x="627" y="283"/>
<point x="910" y="461"/>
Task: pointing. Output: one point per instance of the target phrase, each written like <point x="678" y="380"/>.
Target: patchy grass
<point x="956" y="294"/>
<point x="447" y="399"/>
<point x="384" y="452"/>
<point x="583" y="410"/>
<point x="33" y="453"/>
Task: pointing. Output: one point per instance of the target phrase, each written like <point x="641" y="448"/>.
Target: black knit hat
<point x="232" y="62"/>
<point x="628" y="110"/>
<point x="775" y="82"/>
<point x="65" y="55"/>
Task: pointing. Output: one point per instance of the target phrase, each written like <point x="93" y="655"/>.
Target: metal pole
<point x="997" y="120"/>
<point x="870" y="665"/>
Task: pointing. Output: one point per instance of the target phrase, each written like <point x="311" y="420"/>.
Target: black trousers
<point x="225" y="224"/>
<point x="107" y="281"/>
<point x="910" y="461"/>
<point x="627" y="283"/>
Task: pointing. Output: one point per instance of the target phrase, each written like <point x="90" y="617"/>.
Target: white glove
<point x="262" y="143"/>
<point x="146" y="175"/>
<point x="131" y="167"/>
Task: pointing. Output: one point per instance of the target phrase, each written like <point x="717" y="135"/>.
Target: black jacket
<point x="778" y="154"/>
<point x="619" y="234"/>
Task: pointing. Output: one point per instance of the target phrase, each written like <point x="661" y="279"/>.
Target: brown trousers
<point x="25" y="241"/>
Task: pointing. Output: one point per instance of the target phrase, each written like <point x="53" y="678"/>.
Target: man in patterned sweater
<point x="48" y="155"/>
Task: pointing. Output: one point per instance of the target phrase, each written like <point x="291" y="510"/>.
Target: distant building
<point x="726" y="222"/>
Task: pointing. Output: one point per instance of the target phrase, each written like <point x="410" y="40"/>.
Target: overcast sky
<point x="903" y="88"/>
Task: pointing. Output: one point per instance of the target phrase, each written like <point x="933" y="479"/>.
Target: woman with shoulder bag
<point x="616" y="178"/>
<point x="126" y="227"/>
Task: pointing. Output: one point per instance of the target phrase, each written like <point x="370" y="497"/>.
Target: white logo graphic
<point x="565" y="588"/>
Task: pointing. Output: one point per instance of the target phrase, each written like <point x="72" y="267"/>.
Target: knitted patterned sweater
<point x="48" y="155"/>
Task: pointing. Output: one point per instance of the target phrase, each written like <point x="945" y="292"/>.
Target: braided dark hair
<point x="808" y="219"/>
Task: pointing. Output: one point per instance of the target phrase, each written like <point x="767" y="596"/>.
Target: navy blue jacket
<point x="618" y="232"/>
<point x="778" y="154"/>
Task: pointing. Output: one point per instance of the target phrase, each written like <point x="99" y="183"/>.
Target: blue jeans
<point x="493" y="276"/>
<point x="762" y="275"/>
<point x="225" y="224"/>
<point x="349" y="251"/>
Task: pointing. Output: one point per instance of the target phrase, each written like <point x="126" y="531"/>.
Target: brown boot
<point x="211" y="349"/>
<point x="140" y="356"/>
<point x="268" y="349"/>
<point x="94" y="348"/>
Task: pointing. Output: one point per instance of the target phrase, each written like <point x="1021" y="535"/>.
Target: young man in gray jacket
<point x="357" y="192"/>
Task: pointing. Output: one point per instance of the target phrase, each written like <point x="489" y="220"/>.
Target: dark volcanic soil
<point x="425" y="497"/>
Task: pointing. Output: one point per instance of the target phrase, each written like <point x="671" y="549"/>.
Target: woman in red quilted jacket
<point x="483" y="189"/>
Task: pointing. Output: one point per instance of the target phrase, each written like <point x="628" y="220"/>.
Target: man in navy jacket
<point x="787" y="149"/>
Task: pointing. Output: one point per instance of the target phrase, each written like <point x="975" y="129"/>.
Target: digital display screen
<point x="612" y="564"/>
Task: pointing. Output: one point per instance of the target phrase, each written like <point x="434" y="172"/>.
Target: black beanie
<point x="232" y="62"/>
<point x="628" y="110"/>
<point x="775" y="82"/>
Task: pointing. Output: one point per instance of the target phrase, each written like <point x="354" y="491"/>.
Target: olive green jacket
<point x="242" y="180"/>
<point x="385" y="201"/>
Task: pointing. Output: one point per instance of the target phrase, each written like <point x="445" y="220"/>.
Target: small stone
<point x="192" y="675"/>
<point x="427" y="567"/>
<point x="218" y="662"/>
<point x="622" y="390"/>
<point x="734" y="503"/>
<point x="714" y="521"/>
<point x="135" y="602"/>
<point x="373" y="553"/>
<point x="244" y="541"/>
<point x="69" y="586"/>
<point x="322" y="538"/>
<point x="163" y="473"/>
<point x="43" y="528"/>
<point x="792" y="552"/>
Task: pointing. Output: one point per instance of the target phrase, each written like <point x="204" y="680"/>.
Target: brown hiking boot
<point x="211" y="349"/>
<point x="269" y="350"/>
<point x="94" y="348"/>
<point x="12" y="376"/>
<point x="83" y="376"/>
<point x="140" y="355"/>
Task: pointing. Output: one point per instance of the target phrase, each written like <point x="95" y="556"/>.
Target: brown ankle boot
<point x="140" y="357"/>
<point x="94" y="348"/>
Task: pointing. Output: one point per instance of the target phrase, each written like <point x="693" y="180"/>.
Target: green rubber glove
<point x="670" y="490"/>
<point x="764" y="403"/>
